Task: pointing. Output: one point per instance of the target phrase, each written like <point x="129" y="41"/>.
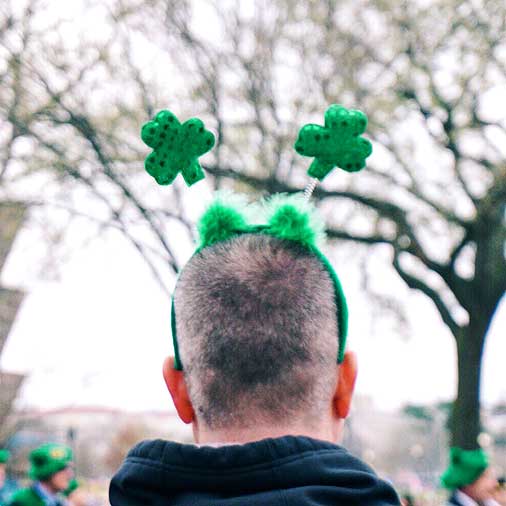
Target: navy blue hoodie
<point x="287" y="471"/>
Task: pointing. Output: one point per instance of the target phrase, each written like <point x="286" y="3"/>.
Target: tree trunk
<point x="465" y="421"/>
<point x="482" y="296"/>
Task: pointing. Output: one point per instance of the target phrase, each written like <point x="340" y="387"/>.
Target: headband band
<point x="292" y="218"/>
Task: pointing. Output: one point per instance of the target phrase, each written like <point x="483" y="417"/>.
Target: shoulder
<point x="25" y="497"/>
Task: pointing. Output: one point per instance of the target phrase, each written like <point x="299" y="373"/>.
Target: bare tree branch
<point x="417" y="284"/>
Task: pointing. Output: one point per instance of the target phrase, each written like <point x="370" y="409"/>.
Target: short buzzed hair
<point x="257" y="332"/>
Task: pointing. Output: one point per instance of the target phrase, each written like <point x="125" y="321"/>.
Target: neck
<point x="203" y="435"/>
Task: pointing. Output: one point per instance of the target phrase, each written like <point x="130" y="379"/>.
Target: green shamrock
<point x="338" y="143"/>
<point x="176" y="148"/>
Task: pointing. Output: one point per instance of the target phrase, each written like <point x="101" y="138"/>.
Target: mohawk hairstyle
<point x="257" y="327"/>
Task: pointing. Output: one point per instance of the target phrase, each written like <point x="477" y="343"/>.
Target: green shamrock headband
<point x="177" y="147"/>
<point x="287" y="217"/>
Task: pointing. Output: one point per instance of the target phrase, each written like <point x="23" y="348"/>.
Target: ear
<point x="177" y="387"/>
<point x="347" y="375"/>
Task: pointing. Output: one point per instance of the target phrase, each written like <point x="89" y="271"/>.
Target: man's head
<point x="51" y="464"/>
<point x="469" y="471"/>
<point x="257" y="334"/>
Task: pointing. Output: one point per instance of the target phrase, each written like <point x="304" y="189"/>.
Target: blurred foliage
<point x="418" y="412"/>
<point x="125" y="438"/>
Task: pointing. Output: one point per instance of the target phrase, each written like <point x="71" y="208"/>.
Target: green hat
<point x="465" y="467"/>
<point x="4" y="456"/>
<point x="73" y="484"/>
<point x="48" y="459"/>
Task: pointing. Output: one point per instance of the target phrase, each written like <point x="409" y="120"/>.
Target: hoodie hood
<point x="286" y="471"/>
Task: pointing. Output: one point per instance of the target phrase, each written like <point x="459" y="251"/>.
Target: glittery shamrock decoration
<point x="176" y="147"/>
<point x="338" y="143"/>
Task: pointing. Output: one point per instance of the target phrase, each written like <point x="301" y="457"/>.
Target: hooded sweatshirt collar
<point x="286" y="471"/>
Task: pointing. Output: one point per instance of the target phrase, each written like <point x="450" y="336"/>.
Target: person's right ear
<point x="347" y="375"/>
<point x="176" y="385"/>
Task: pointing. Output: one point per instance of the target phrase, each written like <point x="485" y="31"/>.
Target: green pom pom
<point x="337" y="144"/>
<point x="176" y="148"/>
<point x="222" y="220"/>
<point x="293" y="218"/>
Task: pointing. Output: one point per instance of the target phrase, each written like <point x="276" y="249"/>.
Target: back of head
<point x="257" y="332"/>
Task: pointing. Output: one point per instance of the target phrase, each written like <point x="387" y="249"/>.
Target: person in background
<point x="7" y="487"/>
<point x="51" y="471"/>
<point x="469" y="478"/>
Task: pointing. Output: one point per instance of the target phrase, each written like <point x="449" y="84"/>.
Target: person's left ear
<point x="178" y="390"/>
<point x="347" y="376"/>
